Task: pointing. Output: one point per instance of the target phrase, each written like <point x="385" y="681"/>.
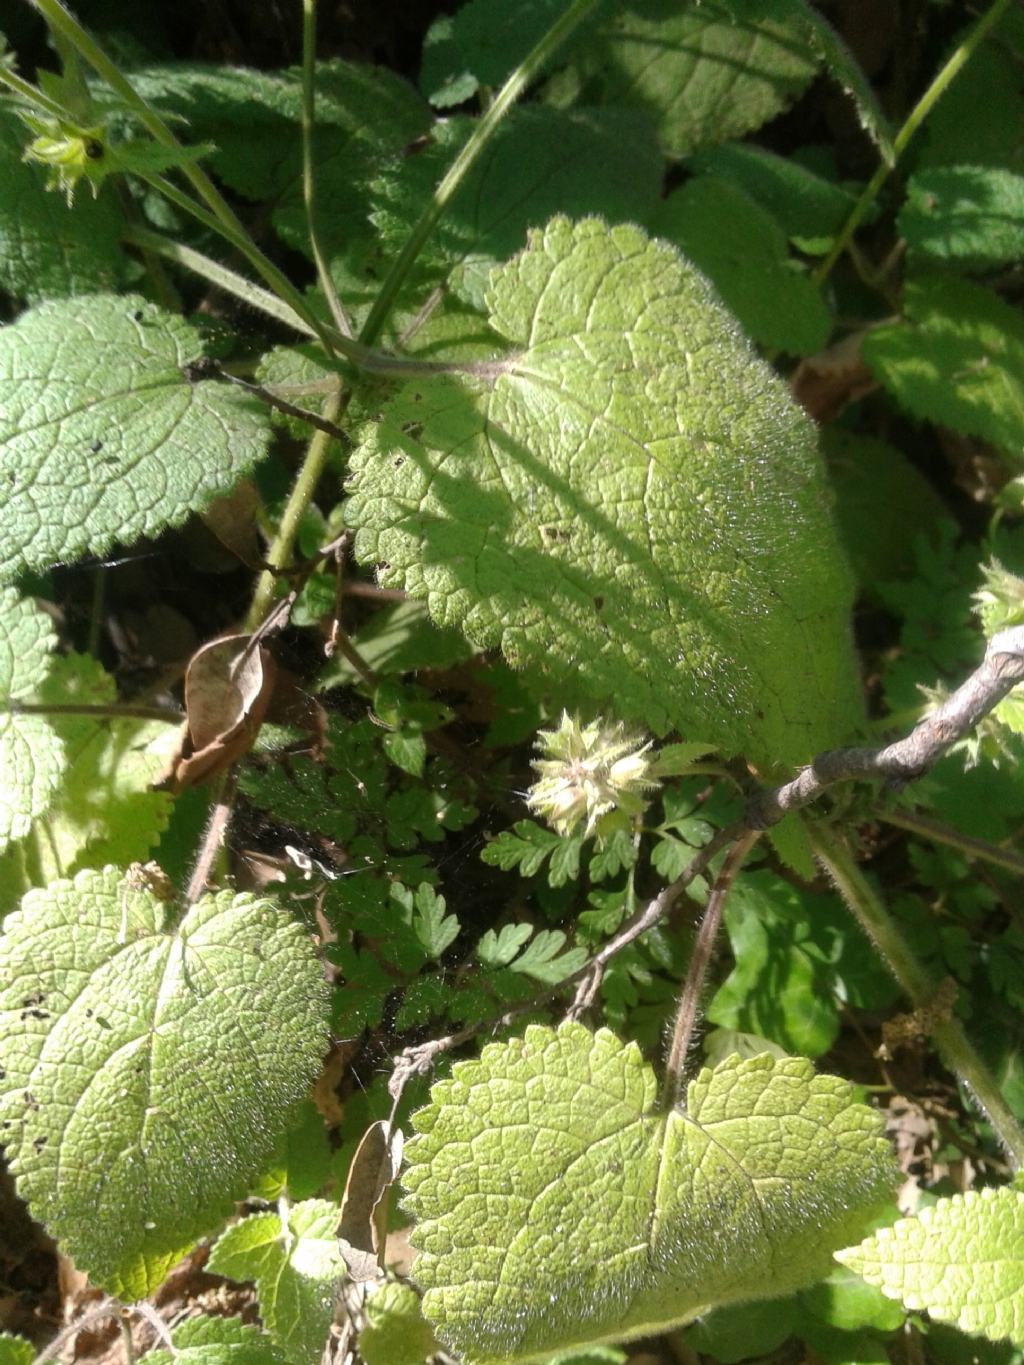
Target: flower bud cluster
<point x="595" y="775"/>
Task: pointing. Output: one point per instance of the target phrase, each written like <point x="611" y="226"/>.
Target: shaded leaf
<point x="967" y="215"/>
<point x="587" y="503"/>
<point x="744" y="253"/>
<point x="46" y="249"/>
<point x="705" y="74"/>
<point x="956" y="359"/>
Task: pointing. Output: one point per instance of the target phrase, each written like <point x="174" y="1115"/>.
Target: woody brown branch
<point x="910" y="757"/>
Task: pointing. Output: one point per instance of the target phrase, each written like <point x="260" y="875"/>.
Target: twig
<point x="207" y="366"/>
<point x="417" y="1060"/>
<point x="910" y="757"/>
<point x="1001" y="670"/>
<point x="107" y="1309"/>
<point x="700" y="957"/>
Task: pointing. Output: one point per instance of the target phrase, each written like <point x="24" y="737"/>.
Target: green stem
<point x="914" y="119"/>
<point x="946" y="834"/>
<point x="95" y="710"/>
<point x="308" y="179"/>
<point x="279" y="554"/>
<point x="31" y="94"/>
<point x="222" y="218"/>
<point x="220" y="275"/>
<point x="952" y="1044"/>
<point x="363" y="357"/>
<point x="528" y="69"/>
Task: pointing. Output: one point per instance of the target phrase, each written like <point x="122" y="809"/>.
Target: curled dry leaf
<point x="233" y="519"/>
<point x="374" y="1167"/>
<point x="227" y="690"/>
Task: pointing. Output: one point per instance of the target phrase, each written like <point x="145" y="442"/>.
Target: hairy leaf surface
<point x="31" y="754"/>
<point x="295" y="1267"/>
<point x="704" y="73"/>
<point x="957" y="358"/>
<point x="558" y="1206"/>
<point x="971" y="216"/>
<point x="103" y="436"/>
<point x="627" y="500"/>
<point x="148" y="1070"/>
<point x="961" y="1260"/>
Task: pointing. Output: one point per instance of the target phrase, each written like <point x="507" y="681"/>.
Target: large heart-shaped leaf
<point x="627" y="499"/>
<point x="145" y="1070"/>
<point x="105" y="434"/>
<point x="558" y="1206"/>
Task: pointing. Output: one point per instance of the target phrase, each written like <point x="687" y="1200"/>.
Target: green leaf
<point x="295" y="1268"/>
<point x="525" y="846"/>
<point x="704" y="74"/>
<point x="957" y="358"/>
<point x="587" y="504"/>
<point x="805" y="205"/>
<point x="434" y="929"/>
<point x="539" y="958"/>
<point x="141" y="1069"/>
<point x="482" y="43"/>
<point x="47" y="249"/>
<point x="363" y="114"/>
<point x="541" y="161"/>
<point x="797" y="957"/>
<point x="104" y="811"/>
<point x="846" y="70"/>
<point x="396" y="1333"/>
<point x="744" y="252"/>
<point x="962" y="1260"/>
<point x="31" y="754"/>
<point x="971" y="123"/>
<point x="217" y="1341"/>
<point x="849" y="1303"/>
<point x="742" y="1330"/>
<point x="883" y="503"/>
<point x="498" y="950"/>
<point x="105" y="437"/>
<point x="15" y="1350"/>
<point x="558" y="1206"/>
<point x="972" y="216"/>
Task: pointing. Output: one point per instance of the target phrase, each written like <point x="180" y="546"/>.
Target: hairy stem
<point x="700" y="958"/>
<point x="953" y="838"/>
<point x="528" y="69"/>
<point x="279" y="554"/>
<point x="308" y="178"/>
<point x="914" y="119"/>
<point x="97" y="710"/>
<point x="221" y="216"/>
<point x="951" y="1042"/>
<point x="217" y="274"/>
